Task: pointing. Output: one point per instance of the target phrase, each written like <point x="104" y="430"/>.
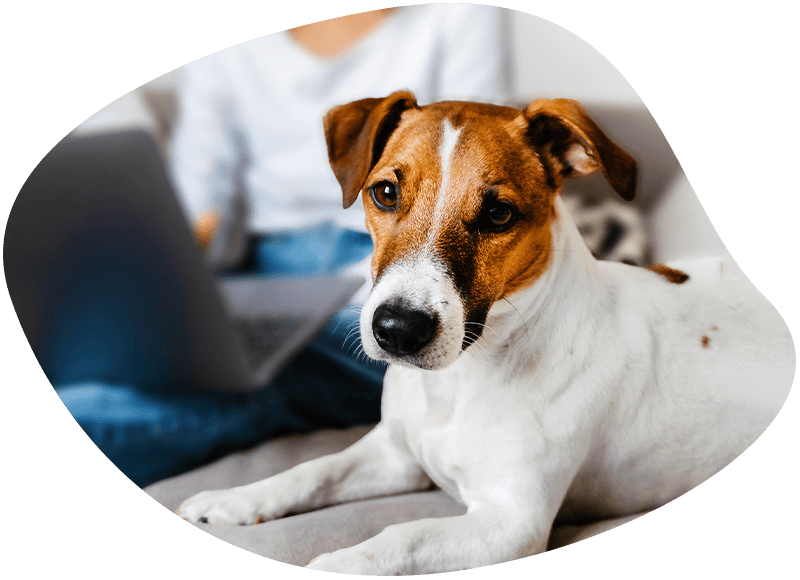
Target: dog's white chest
<point x="434" y="425"/>
<point x="447" y="427"/>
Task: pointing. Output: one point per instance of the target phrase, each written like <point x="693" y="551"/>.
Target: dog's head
<point x="460" y="202"/>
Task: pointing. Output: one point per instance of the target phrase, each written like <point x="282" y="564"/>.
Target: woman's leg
<point x="153" y="435"/>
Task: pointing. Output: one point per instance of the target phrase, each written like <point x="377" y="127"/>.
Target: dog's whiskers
<point x="483" y="326"/>
<point x="475" y="339"/>
<point x="522" y="318"/>
<point x="350" y="350"/>
<point x="361" y="354"/>
<point x="351" y="345"/>
<point x="355" y="335"/>
<point x="356" y="330"/>
<point x="350" y="308"/>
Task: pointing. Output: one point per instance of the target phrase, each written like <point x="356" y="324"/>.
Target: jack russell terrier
<point x="528" y="380"/>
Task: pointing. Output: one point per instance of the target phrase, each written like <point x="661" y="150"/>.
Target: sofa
<point x="299" y="538"/>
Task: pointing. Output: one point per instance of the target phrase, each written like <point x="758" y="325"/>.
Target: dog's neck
<point x="556" y="307"/>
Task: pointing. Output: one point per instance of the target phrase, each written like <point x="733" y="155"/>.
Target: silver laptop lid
<point x="106" y="279"/>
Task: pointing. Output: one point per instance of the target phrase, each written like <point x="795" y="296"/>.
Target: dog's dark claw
<point x="203" y="520"/>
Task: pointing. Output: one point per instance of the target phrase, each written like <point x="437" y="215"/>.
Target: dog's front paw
<point x="346" y="561"/>
<point x="224" y="506"/>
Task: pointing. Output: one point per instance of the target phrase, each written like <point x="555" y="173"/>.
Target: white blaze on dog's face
<point x="460" y="201"/>
<point x="454" y="232"/>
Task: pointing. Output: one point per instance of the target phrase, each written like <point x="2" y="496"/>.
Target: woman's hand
<point x="205" y="227"/>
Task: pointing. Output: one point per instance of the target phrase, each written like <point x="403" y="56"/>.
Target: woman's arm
<point x="207" y="153"/>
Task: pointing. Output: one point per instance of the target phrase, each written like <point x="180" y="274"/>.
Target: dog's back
<point x="717" y="363"/>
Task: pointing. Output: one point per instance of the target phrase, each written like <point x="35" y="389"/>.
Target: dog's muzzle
<point x="413" y="316"/>
<point x="403" y="331"/>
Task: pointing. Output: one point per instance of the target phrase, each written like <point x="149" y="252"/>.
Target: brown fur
<point x="355" y="135"/>
<point x="556" y="125"/>
<point x="491" y="266"/>
<point x="521" y="157"/>
<point x="672" y="275"/>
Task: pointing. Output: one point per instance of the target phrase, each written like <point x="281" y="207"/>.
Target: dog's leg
<point x="509" y="516"/>
<point x="373" y="466"/>
<point x="487" y="535"/>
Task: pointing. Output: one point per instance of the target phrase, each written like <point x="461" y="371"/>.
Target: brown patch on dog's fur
<point x="672" y="275"/>
<point x="705" y="340"/>
<point x="572" y="144"/>
<point x="490" y="156"/>
<point x="356" y="134"/>
<point x="491" y="159"/>
<point x="498" y="156"/>
<point x="411" y="161"/>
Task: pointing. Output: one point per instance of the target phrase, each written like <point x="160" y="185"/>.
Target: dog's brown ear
<point x="573" y="145"/>
<point x="357" y="133"/>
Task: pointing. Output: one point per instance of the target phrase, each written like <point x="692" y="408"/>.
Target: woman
<point x="250" y="163"/>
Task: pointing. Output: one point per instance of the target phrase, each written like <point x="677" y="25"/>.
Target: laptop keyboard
<point x="261" y="336"/>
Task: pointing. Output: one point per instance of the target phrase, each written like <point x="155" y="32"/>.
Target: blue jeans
<point x="150" y="436"/>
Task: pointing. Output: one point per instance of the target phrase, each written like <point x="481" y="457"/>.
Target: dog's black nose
<point x="401" y="331"/>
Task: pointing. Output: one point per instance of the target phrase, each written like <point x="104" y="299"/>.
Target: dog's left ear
<point x="356" y="134"/>
<point x="570" y="144"/>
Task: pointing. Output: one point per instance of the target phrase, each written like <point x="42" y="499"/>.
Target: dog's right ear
<point x="356" y="134"/>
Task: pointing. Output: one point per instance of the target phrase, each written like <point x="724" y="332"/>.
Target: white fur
<point x="423" y="283"/>
<point x="592" y="387"/>
<point x="447" y="145"/>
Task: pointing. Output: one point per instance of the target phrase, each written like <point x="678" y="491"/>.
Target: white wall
<point x="549" y="61"/>
<point x="131" y="110"/>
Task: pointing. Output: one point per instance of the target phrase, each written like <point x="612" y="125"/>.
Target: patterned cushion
<point x="612" y="229"/>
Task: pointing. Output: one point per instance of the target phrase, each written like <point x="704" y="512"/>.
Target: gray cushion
<point x="299" y="538"/>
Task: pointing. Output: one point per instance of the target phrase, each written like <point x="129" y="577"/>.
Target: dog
<point x="528" y="380"/>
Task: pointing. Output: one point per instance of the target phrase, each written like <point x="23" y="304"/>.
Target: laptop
<point x="108" y="283"/>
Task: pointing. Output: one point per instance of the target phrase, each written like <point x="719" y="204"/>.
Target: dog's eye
<point x="384" y="194"/>
<point x="498" y="217"/>
<point x="500" y="214"/>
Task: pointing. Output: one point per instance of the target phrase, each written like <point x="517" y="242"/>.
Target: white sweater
<point x="250" y="140"/>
